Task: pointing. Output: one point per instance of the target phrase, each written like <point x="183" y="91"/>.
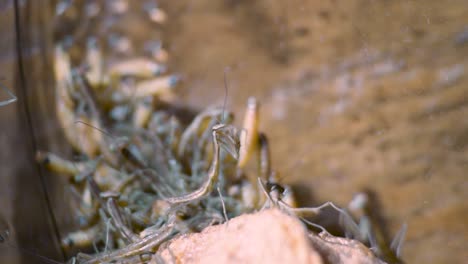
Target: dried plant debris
<point x="144" y="175"/>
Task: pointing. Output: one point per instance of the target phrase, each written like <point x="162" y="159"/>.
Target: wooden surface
<point x="22" y="196"/>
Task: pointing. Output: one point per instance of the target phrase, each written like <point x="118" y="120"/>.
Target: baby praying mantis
<point x="139" y="247"/>
<point x="275" y="193"/>
<point x="362" y="206"/>
<point x="213" y="173"/>
<point x="193" y="130"/>
<point x="240" y="147"/>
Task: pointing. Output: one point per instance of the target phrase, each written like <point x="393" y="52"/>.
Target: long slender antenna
<point x="225" y="94"/>
<point x="98" y="129"/>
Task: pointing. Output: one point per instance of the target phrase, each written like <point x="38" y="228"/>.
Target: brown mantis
<point x="275" y="193"/>
<point x="139" y="247"/>
<point x="213" y="172"/>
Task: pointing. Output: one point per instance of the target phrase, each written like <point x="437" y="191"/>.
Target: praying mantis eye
<point x="274" y="187"/>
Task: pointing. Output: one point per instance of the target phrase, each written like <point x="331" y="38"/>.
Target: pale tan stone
<point x="268" y="236"/>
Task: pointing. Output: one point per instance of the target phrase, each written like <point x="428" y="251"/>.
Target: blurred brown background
<point x="355" y="94"/>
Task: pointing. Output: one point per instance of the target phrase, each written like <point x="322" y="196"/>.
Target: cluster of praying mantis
<point x="144" y="176"/>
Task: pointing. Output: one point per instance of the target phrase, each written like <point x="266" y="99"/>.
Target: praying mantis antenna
<point x="226" y="90"/>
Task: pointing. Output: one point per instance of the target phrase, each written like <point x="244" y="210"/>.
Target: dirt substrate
<point x="356" y="94"/>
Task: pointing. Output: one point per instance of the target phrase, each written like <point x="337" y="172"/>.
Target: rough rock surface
<point x="268" y="236"/>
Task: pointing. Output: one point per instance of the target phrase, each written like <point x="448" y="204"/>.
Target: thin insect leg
<point x="230" y="141"/>
<point x="374" y="245"/>
<point x="124" y="183"/>
<point x="144" y="245"/>
<point x="378" y="239"/>
<point x="348" y="220"/>
<point x="89" y="96"/>
<point x="263" y="166"/>
<point x="126" y="214"/>
<point x="120" y="225"/>
<point x="107" y="148"/>
<point x="397" y="242"/>
<point x="264" y="160"/>
<point x="315" y="225"/>
<point x="80" y="257"/>
<point x="357" y="208"/>
<point x="316" y="210"/>
<point x="360" y="231"/>
<point x="100" y="130"/>
<point x="96" y="250"/>
<point x="163" y="155"/>
<point x="365" y="229"/>
<point x="269" y="198"/>
<point x="73" y="260"/>
<point x="107" y="234"/>
<point x="222" y="203"/>
<point x="205" y="136"/>
<point x="9" y="101"/>
<point x="218" y="131"/>
<point x="193" y="129"/>
<point x="147" y="175"/>
<point x="95" y="189"/>
<point x="135" y="163"/>
<point x="132" y="158"/>
<point x="85" y="214"/>
<point x="113" y="210"/>
<point x="98" y="116"/>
